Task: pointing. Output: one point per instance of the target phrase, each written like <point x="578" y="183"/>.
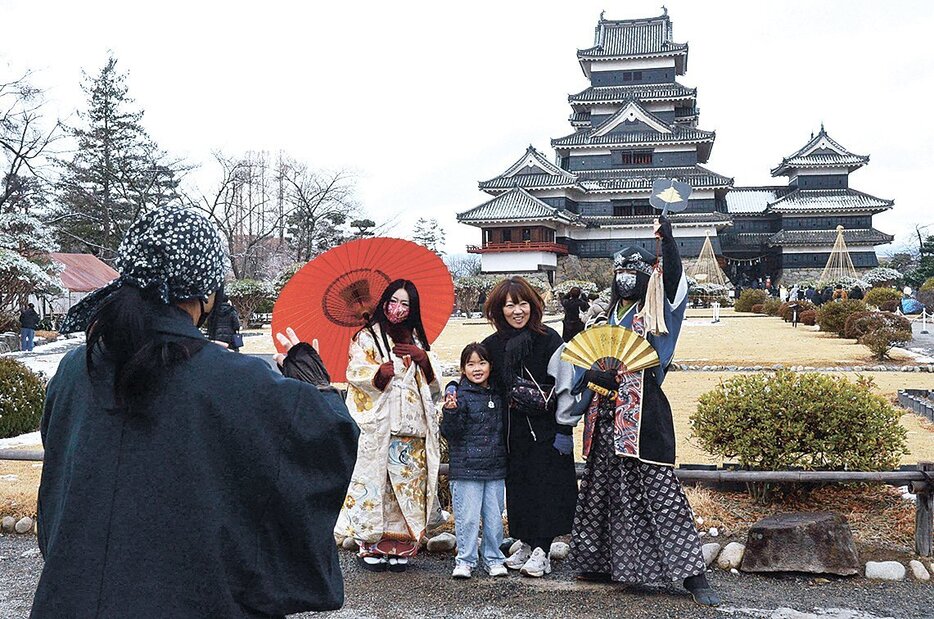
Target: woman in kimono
<point x="164" y="496"/>
<point x="392" y="390"/>
<point x="633" y="523"/>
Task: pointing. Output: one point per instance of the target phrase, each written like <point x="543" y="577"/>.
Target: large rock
<point x="8" y="523"/>
<point x="885" y="570"/>
<point x="559" y="551"/>
<point x="23" y="525"/>
<point x="445" y="542"/>
<point x="813" y="542"/>
<point x="919" y="571"/>
<point x="710" y="552"/>
<point x="731" y="557"/>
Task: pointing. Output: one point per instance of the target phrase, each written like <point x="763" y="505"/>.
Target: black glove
<point x="664" y="228"/>
<point x="303" y="363"/>
<point x="602" y="378"/>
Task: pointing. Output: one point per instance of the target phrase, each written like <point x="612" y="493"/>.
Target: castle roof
<point x="752" y="200"/>
<point x="641" y="92"/>
<point x="517" y="205"/>
<point x="855" y="236"/>
<point x="640" y="179"/>
<point x="718" y="220"/>
<point x="616" y="39"/>
<point x="531" y="170"/>
<point x="834" y="200"/>
<point x="821" y="151"/>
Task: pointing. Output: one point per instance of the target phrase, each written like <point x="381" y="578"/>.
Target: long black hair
<point x="413" y="321"/>
<point x="120" y="332"/>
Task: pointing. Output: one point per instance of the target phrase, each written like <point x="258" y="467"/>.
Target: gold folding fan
<point x="607" y="347"/>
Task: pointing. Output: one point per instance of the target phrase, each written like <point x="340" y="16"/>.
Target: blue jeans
<point x="475" y="501"/>
<point x="25" y="338"/>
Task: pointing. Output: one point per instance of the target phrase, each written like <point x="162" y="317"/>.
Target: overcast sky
<point x="424" y="99"/>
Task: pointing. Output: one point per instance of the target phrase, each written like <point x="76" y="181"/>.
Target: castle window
<point x="637" y="76"/>
<point x="636" y="157"/>
<point x="627" y="76"/>
<point x="526" y="234"/>
<point x="507" y="235"/>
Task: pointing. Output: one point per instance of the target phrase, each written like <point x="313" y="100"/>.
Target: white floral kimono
<point x="394" y="485"/>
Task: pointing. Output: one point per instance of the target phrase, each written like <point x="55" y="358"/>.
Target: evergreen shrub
<point x="748" y="298"/>
<point x="859" y="324"/>
<point x="890" y="306"/>
<point x="785" y="310"/>
<point x="758" y="308"/>
<point x="832" y="315"/>
<point x="881" y="341"/>
<point x="877" y="296"/>
<point x="22" y="395"/>
<point x="797" y="420"/>
<point x="771" y="307"/>
<point x="808" y="317"/>
<point x="928" y="285"/>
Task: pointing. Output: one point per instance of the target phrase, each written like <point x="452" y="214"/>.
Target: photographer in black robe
<point x="164" y="496"/>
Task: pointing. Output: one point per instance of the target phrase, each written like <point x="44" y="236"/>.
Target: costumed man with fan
<point x="633" y="523"/>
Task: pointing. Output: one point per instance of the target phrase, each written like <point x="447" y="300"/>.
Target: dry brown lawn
<point x="739" y="339"/>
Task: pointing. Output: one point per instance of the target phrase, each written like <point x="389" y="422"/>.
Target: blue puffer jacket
<point x="474" y="431"/>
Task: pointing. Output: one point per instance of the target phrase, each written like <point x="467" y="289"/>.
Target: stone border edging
<point x="682" y="367"/>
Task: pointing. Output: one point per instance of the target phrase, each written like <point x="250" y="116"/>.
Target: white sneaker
<point x="517" y="559"/>
<point x="538" y="564"/>
<point x="461" y="571"/>
<point x="497" y="570"/>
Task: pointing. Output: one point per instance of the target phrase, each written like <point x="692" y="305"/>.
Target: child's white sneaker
<point x="497" y="570"/>
<point x="517" y="559"/>
<point x="538" y="564"/>
<point x="461" y="571"/>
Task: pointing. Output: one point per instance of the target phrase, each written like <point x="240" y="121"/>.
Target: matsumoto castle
<point x="636" y="123"/>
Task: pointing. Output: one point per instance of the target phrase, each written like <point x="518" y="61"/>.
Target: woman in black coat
<point x="541" y="486"/>
<point x="573" y="306"/>
<point x="224" y="324"/>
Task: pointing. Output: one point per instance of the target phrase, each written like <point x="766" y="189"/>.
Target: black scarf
<point x="517" y="350"/>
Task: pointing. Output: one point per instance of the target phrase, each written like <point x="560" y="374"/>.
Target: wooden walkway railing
<point x="920" y="482"/>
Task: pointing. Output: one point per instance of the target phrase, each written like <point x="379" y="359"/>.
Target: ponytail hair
<point x="120" y="332"/>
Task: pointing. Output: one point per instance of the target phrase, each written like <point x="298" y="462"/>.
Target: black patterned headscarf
<point x="172" y="253"/>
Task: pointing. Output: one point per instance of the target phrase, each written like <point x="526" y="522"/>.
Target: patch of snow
<point x="23" y="440"/>
<point x="45" y="359"/>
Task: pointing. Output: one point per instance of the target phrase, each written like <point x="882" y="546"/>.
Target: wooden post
<point x="924" y="513"/>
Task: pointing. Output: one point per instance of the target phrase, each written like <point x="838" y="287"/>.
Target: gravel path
<point x="426" y="591"/>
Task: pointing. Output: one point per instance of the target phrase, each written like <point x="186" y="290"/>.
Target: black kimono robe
<point x="218" y="500"/>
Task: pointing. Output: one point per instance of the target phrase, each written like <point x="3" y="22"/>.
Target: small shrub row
<point x="859" y="324"/>
<point x="832" y="316"/>
<point x="758" y="308"/>
<point x="877" y="296"/>
<point x="785" y="311"/>
<point x="748" y="298"/>
<point x="809" y="317"/>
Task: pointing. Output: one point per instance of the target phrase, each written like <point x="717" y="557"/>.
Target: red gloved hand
<point x="418" y="355"/>
<point x="383" y="375"/>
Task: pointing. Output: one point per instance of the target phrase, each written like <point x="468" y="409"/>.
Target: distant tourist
<point x="597" y="313"/>
<point x="473" y="426"/>
<point x="392" y="391"/>
<point x="856" y="293"/>
<point x="810" y="294"/>
<point x="839" y="293"/>
<point x="224" y="324"/>
<point x="541" y="486"/>
<point x="633" y="523"/>
<point x="573" y="306"/>
<point x="28" y="323"/>
<point x="181" y="480"/>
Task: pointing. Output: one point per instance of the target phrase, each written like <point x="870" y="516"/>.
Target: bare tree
<point x="321" y="204"/>
<point x="25" y="139"/>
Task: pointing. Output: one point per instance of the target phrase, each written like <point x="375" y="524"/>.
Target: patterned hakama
<point x="632" y="521"/>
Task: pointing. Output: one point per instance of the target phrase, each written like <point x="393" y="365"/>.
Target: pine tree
<point x="428" y="232"/>
<point x="117" y="172"/>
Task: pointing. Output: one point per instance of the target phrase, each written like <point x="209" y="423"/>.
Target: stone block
<point x="23" y="525"/>
<point x="731" y="557"/>
<point x="811" y="542"/>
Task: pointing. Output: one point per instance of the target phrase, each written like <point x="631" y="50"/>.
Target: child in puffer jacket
<point x="473" y="426"/>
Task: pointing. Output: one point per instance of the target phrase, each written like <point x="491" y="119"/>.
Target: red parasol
<point x="330" y="296"/>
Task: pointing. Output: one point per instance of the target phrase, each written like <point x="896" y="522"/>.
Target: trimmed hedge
<point x="877" y="296"/>
<point x="859" y="324"/>
<point x="771" y="307"/>
<point x="809" y="317"/>
<point x="803" y="306"/>
<point x="803" y="420"/>
<point x="758" y="308"/>
<point x="881" y="341"/>
<point x="748" y="298"/>
<point x="22" y="395"/>
<point x="891" y="306"/>
<point x="832" y="315"/>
